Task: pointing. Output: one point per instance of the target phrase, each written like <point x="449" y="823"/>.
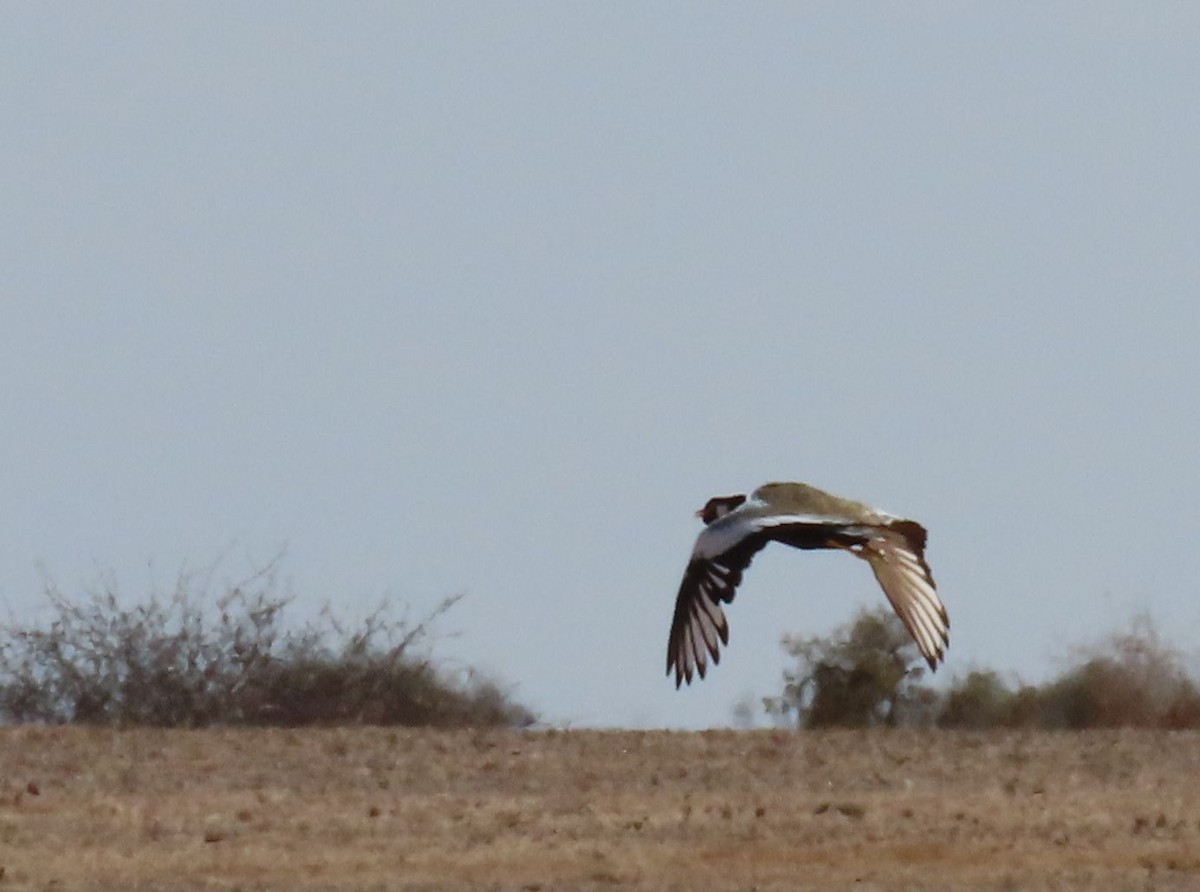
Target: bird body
<point x="802" y="516"/>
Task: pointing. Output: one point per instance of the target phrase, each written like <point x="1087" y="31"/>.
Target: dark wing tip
<point x="699" y="628"/>
<point x="916" y="534"/>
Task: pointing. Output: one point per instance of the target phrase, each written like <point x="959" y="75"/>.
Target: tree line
<point x="202" y="654"/>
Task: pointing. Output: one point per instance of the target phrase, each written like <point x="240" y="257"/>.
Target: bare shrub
<point x="866" y="674"/>
<point x="192" y="658"/>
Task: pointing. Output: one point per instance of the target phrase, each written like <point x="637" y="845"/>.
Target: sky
<point x="488" y="299"/>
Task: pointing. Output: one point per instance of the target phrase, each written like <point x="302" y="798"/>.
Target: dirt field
<point x="380" y="809"/>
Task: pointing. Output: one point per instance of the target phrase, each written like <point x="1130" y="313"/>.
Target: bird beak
<point x="700" y="513"/>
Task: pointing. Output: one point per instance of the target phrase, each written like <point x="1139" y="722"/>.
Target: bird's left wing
<point x="723" y="551"/>
<point x="699" y="627"/>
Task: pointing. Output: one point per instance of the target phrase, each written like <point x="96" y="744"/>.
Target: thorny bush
<point x="194" y="657"/>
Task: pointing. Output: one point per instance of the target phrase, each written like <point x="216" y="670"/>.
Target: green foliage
<point x="981" y="700"/>
<point x="191" y="658"/>
<point x="865" y="675"/>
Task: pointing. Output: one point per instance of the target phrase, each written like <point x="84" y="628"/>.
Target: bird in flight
<point x="738" y="527"/>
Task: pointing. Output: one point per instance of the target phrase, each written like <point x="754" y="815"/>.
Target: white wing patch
<point x="779" y="520"/>
<point x="721" y="535"/>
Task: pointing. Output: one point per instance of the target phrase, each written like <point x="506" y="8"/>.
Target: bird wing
<point x="896" y="553"/>
<point x="722" y="553"/>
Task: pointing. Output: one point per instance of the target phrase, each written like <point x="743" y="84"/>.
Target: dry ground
<point x="383" y="809"/>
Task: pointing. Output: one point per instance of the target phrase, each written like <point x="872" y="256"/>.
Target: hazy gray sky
<point x="490" y="298"/>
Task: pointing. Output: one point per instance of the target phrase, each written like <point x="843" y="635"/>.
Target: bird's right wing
<point x="897" y="555"/>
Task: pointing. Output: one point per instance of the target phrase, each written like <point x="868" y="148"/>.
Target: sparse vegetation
<point x="1131" y="679"/>
<point x="868" y="674"/>
<point x="981" y="700"/>
<point x="195" y="657"/>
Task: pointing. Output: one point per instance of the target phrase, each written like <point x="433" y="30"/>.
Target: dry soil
<point x="445" y="810"/>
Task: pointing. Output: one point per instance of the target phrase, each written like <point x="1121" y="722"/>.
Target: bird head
<point x="717" y="507"/>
